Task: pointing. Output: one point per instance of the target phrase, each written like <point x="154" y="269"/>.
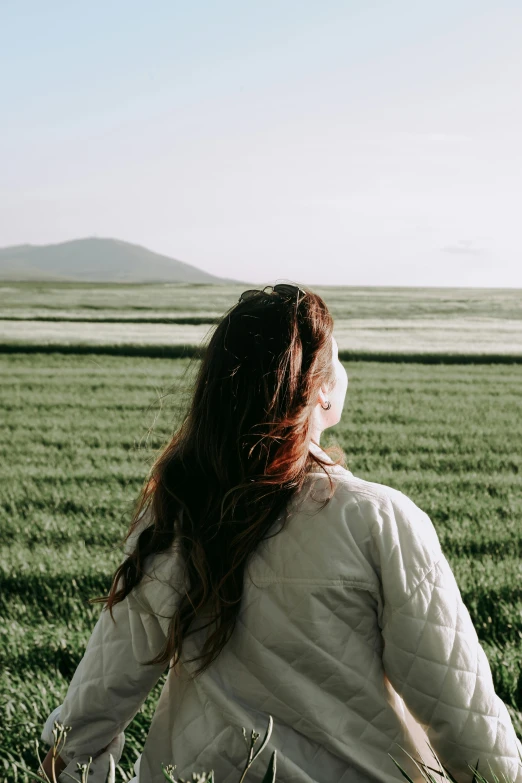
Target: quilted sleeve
<point x="433" y="659"/>
<point x="111" y="681"/>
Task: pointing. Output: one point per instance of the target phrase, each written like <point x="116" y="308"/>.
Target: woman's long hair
<point x="240" y="454"/>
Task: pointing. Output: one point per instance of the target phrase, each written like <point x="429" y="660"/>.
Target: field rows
<point x="427" y="335"/>
<point x="91" y="300"/>
<point x="403" y="321"/>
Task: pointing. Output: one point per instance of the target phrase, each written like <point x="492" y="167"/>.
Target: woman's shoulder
<point x="349" y="486"/>
<point x="403" y="537"/>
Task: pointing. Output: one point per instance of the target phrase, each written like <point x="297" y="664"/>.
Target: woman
<point x="275" y="582"/>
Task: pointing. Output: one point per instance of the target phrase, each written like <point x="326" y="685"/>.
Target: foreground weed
<point x="444" y="773"/>
<point x="60" y="733"/>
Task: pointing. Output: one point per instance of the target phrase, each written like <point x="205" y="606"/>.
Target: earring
<point x="327" y="407"/>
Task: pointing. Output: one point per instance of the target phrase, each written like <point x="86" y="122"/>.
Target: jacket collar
<point x="318" y="451"/>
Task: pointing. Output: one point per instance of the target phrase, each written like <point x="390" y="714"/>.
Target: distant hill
<point x="98" y="260"/>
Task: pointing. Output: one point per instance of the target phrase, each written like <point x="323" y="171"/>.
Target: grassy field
<point x="368" y="321"/>
<point x="87" y="402"/>
<point x="79" y="433"/>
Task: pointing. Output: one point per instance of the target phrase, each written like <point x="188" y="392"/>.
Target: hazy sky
<point x="358" y="143"/>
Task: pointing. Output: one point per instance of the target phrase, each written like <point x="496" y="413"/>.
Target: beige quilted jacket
<point x="352" y="635"/>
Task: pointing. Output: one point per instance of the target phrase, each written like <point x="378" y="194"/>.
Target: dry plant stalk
<point x="60" y="733"/>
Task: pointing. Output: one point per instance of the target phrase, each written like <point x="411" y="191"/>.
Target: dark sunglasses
<point x="284" y="290"/>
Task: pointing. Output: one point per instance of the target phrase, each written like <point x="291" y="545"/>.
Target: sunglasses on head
<point x="282" y="289"/>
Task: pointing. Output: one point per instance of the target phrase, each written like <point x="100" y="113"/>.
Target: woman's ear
<point x="323" y="395"/>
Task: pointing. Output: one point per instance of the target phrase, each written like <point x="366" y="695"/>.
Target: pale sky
<point x="351" y="143"/>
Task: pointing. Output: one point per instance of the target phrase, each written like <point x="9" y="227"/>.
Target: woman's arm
<point x="433" y="659"/>
<point x="111" y="681"/>
<point x="432" y="655"/>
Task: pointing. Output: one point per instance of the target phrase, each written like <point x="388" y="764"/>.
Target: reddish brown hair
<point x="240" y="454"/>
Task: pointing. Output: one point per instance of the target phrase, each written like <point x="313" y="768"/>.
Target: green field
<point x="79" y="433"/>
<point x="80" y="430"/>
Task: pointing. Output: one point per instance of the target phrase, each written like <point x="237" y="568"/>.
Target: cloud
<point x="463" y="246"/>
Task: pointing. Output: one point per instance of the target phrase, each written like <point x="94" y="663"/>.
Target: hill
<point x="100" y="260"/>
